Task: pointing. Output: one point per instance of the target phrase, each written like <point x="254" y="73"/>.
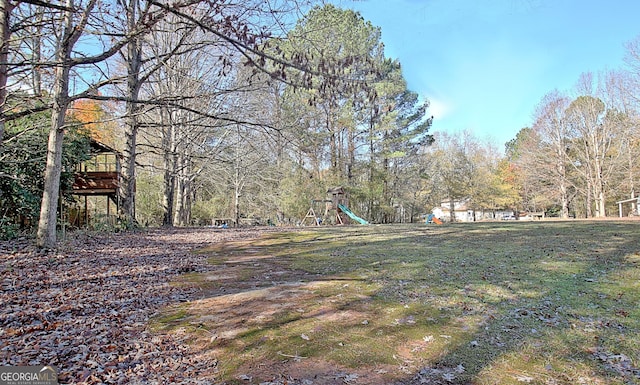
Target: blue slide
<point x="351" y="215"/>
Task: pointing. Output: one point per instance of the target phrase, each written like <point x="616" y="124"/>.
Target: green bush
<point x="22" y="164"/>
<point x="8" y="230"/>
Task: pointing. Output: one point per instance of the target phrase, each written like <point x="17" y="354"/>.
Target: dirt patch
<point x="302" y="371"/>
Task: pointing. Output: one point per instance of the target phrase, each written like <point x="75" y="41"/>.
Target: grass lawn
<point x="482" y="303"/>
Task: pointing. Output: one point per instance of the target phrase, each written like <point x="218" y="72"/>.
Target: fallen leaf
<point x="85" y="307"/>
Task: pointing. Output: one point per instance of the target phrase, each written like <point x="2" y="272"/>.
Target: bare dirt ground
<point x="85" y="307"/>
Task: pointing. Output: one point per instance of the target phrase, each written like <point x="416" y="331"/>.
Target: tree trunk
<point x="236" y="197"/>
<point x="589" y="196"/>
<point x="128" y="181"/>
<point x="562" y="172"/>
<point x="386" y="195"/>
<point x="602" y="204"/>
<point x="333" y="147"/>
<point x="37" y="55"/>
<point x="46" y="234"/>
<point x="190" y="195"/>
<point x="371" y="163"/>
<point x="630" y="162"/>
<point x="181" y="193"/>
<point x="599" y="188"/>
<point x="452" y="209"/>
<point x="564" y="201"/>
<point x="352" y="156"/>
<point x="181" y="169"/>
<point x="134" y="63"/>
<point x="237" y="182"/>
<point x="168" y="139"/>
<point x="178" y="215"/>
<point x="5" y="33"/>
<point x="185" y="177"/>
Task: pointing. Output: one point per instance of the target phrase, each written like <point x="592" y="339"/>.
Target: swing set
<point x="328" y="207"/>
<point x="335" y="209"/>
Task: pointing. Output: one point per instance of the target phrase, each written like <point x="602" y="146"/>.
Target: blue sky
<point x="485" y="64"/>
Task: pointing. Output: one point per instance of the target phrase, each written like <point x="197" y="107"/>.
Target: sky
<point x="484" y="65"/>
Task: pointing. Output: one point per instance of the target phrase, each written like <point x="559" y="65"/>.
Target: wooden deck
<point x="96" y="183"/>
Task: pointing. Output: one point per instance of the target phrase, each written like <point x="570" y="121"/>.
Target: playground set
<point x="335" y="209"/>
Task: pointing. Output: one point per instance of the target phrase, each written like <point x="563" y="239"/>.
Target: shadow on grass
<point x="562" y="318"/>
<point x="459" y="304"/>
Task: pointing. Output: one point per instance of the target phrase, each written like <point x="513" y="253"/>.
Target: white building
<point x="464" y="212"/>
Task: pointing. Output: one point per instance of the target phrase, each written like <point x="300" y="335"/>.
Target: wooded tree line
<point x="252" y="109"/>
<point x="577" y="159"/>
<point x="581" y="154"/>
<point x="224" y="106"/>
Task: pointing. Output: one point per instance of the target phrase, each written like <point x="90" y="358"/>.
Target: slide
<point x="351" y="215"/>
<point x="433" y="219"/>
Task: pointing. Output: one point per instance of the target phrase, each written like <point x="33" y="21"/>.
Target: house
<point x="464" y="211"/>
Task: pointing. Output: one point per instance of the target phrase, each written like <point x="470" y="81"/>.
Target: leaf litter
<point x="84" y="308"/>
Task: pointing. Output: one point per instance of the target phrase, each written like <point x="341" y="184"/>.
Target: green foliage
<point x="296" y="190"/>
<point x="8" y="228"/>
<point x="339" y="45"/>
<point x="514" y="147"/>
<point x="203" y="211"/>
<point x="22" y="165"/>
<point x="356" y="124"/>
<point x="411" y="122"/>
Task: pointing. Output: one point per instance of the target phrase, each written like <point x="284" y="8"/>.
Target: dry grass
<point x="484" y="303"/>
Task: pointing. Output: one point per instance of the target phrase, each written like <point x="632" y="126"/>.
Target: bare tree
<point x="451" y="168"/>
<point x="5" y="32"/>
<point x="546" y="154"/>
<point x="627" y="85"/>
<point x="133" y="59"/>
<point x="632" y="59"/>
<point x="594" y="132"/>
<point x="21" y="28"/>
<point x="234" y="26"/>
<point x="190" y="98"/>
<point x="71" y="32"/>
<point x="78" y="19"/>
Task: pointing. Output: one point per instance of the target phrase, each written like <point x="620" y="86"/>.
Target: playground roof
<point x="335" y="190"/>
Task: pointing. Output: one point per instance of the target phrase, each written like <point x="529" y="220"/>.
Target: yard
<point x="477" y="303"/>
<point x="482" y="303"/>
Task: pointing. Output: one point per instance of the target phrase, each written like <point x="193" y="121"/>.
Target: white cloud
<point x="438" y="108"/>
